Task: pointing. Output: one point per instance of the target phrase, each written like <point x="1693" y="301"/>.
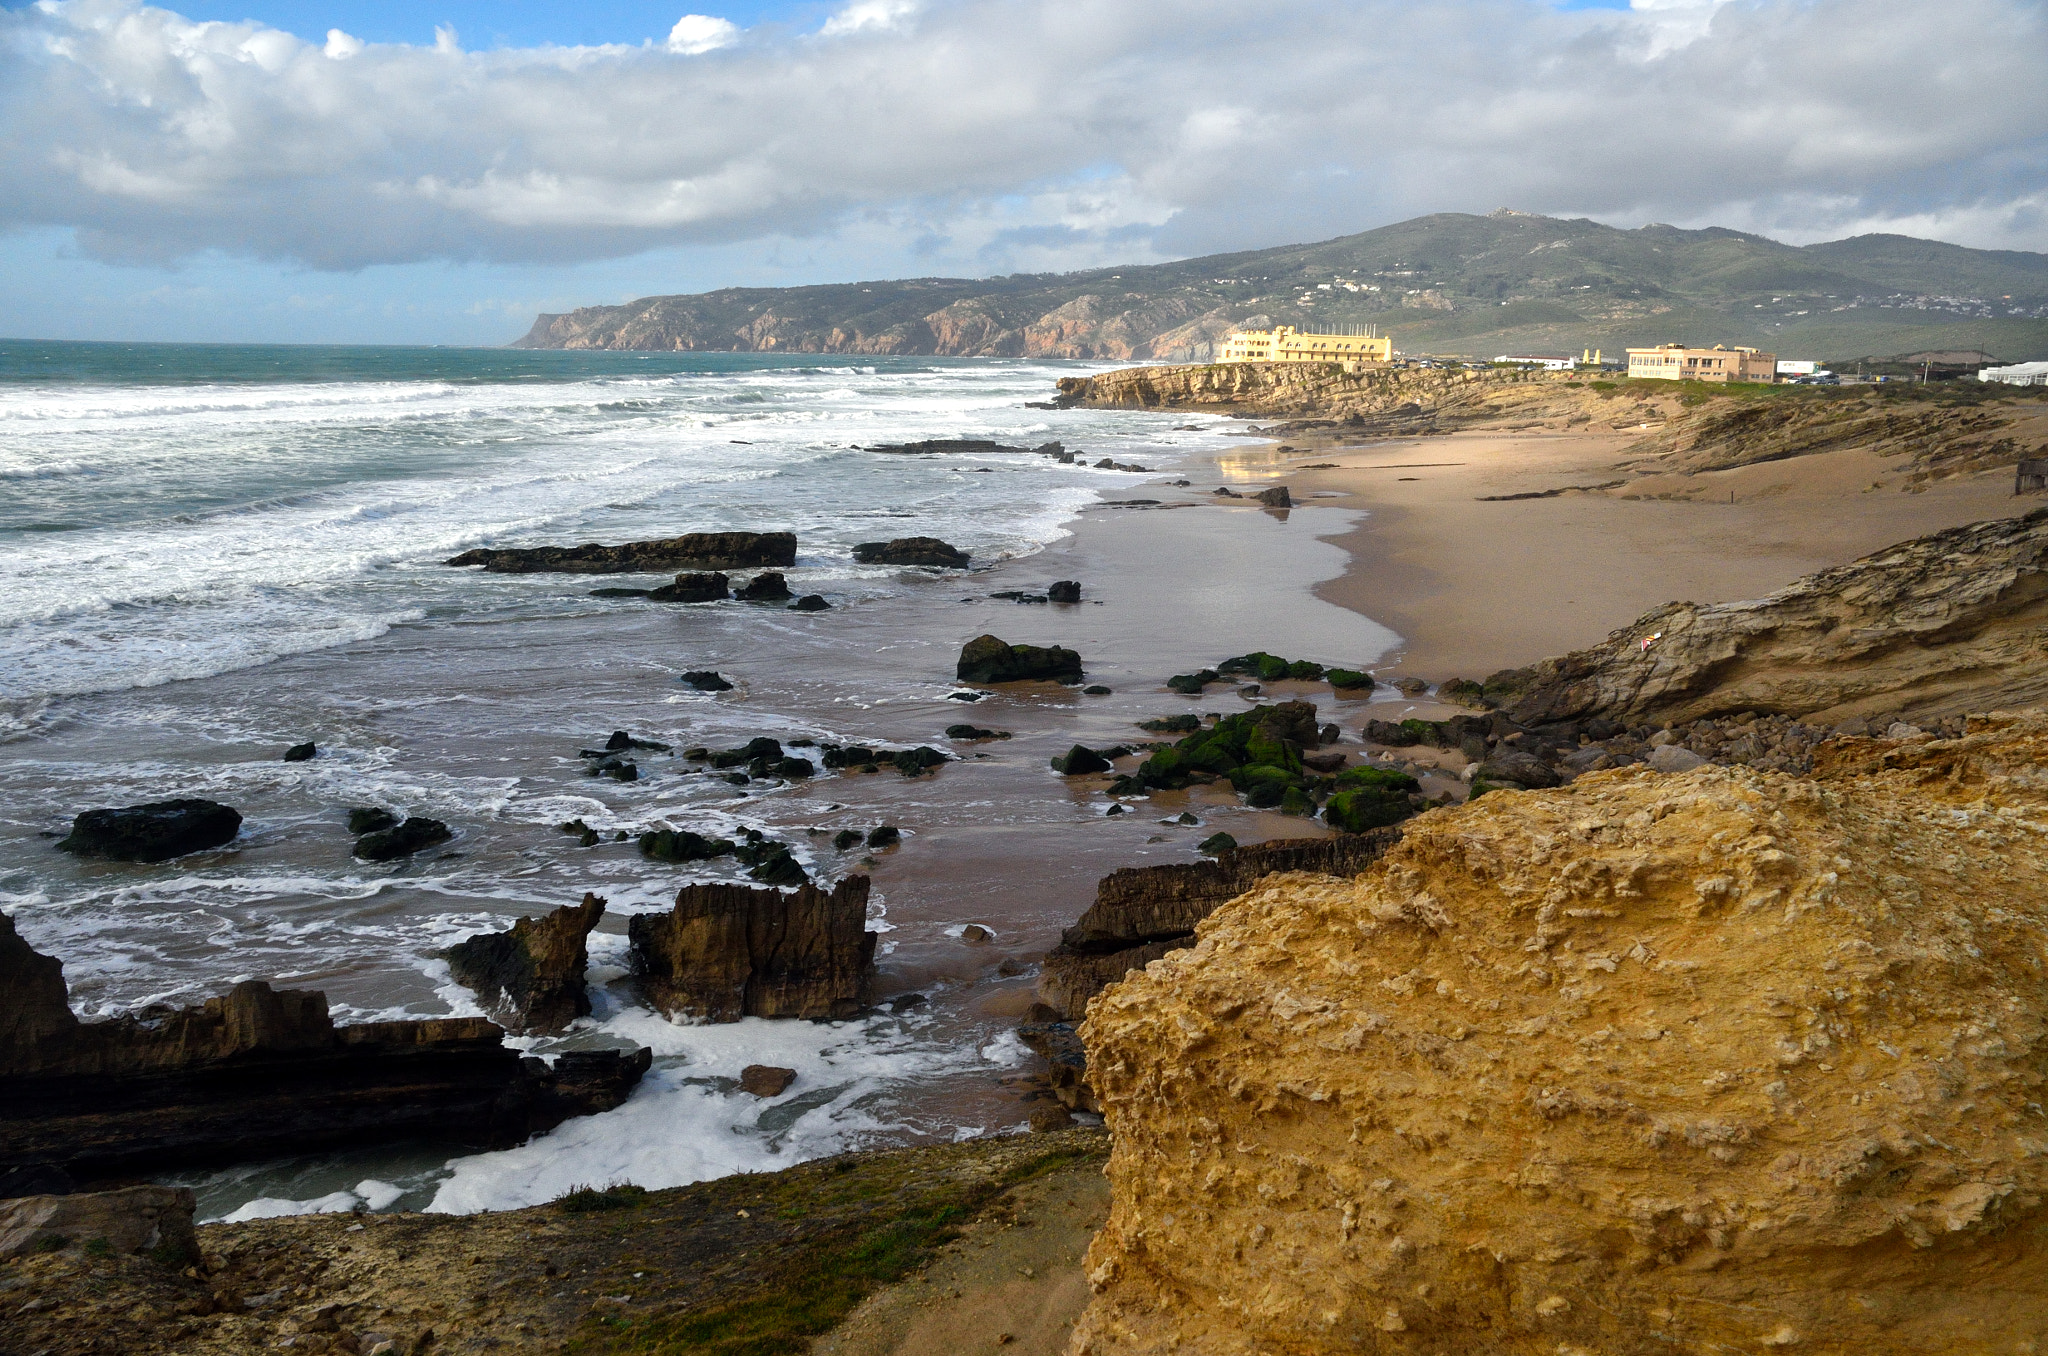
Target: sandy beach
<point x="1474" y="583"/>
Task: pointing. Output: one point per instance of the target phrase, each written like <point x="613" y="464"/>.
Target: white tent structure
<point x="2018" y="374"/>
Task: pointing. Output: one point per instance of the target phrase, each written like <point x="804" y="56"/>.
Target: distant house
<point x="1285" y="344"/>
<point x="1676" y="362"/>
<point x="2017" y="374"/>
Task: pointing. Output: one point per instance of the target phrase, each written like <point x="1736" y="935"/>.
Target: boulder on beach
<point x="414" y="835"/>
<point x="811" y="602"/>
<point x="766" y="1080"/>
<point x="370" y="819"/>
<point x="530" y="977"/>
<point x="911" y="551"/>
<point x="716" y="550"/>
<point x="155" y="832"/>
<point x="770" y="586"/>
<point x="301" y="753"/>
<point x="694" y="588"/>
<point x="681" y="845"/>
<point x="731" y="951"/>
<point x="1277" y="497"/>
<point x="1064" y="591"/>
<point x="990" y="659"/>
<point x="1079" y="761"/>
<point x="706" y="680"/>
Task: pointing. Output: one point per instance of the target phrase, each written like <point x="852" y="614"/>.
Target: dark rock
<point x="1065" y="591"/>
<point x="884" y="836"/>
<point x="680" y="845"/>
<point x="1048" y="1119"/>
<point x="1346" y="680"/>
<point x="768" y="587"/>
<point x="731" y="951"/>
<point x="39" y="1179"/>
<point x="1277" y="497"/>
<point x="1191" y="684"/>
<point x="914" y="762"/>
<point x="845" y="840"/>
<point x="988" y="659"/>
<point x="1080" y="761"/>
<point x="811" y="602"/>
<point x="1225" y="492"/>
<point x="792" y="769"/>
<point x="412" y="836"/>
<point x="1216" y="844"/>
<point x="155" y="832"/>
<point x="371" y="819"/>
<point x="765" y="1080"/>
<point x="1368" y="798"/>
<point x="720" y="550"/>
<point x="1411" y="687"/>
<point x="1068" y="979"/>
<point x="961" y="447"/>
<point x="1521" y="769"/>
<point x="772" y="863"/>
<point x="706" y="680"/>
<point x="965" y="696"/>
<point x="531" y="977"/>
<point x="1066" y="1062"/>
<point x="694" y="588"/>
<point x="1019" y="596"/>
<point x="1172" y="724"/>
<point x="262" y="1073"/>
<point x="1329" y="734"/>
<point x="975" y="934"/>
<point x="621" y="593"/>
<point x="974" y="732"/>
<point x="1095" y="690"/>
<point x="620" y="741"/>
<point x="911" y="551"/>
<point x="301" y="753"/>
<point x="616" y="767"/>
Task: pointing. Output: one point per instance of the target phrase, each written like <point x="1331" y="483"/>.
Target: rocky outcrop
<point x="259" y="1073"/>
<point x="1721" y="1061"/>
<point x="1142" y="912"/>
<point x="1405" y="400"/>
<point x="963" y="447"/>
<point x="731" y="951"/>
<point x="530" y="977"/>
<point x="151" y="1219"/>
<point x="912" y="551"/>
<point x="770" y="586"/>
<point x="715" y="550"/>
<point x="415" y="834"/>
<point x="693" y="588"/>
<point x="1933" y="627"/>
<point x="155" y="832"/>
<point x="990" y="659"/>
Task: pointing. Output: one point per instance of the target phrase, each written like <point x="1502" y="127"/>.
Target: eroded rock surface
<point x="1933" y="627"/>
<point x="912" y="551"/>
<point x="1714" y="1062"/>
<point x="155" y="832"/>
<point x="531" y="975"/>
<point x="720" y="550"/>
<point x="991" y="659"/>
<point x="259" y="1073"/>
<point x="731" y="951"/>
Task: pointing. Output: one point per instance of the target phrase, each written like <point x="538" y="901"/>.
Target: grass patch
<point x="583" y="1200"/>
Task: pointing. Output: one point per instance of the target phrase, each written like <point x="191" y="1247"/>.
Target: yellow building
<point x="1676" y="362"/>
<point x="1285" y="344"/>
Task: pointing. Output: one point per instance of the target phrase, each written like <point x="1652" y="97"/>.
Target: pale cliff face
<point x="1723" y="1061"/>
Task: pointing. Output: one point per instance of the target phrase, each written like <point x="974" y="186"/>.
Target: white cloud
<point x="698" y="33"/>
<point x="1020" y="132"/>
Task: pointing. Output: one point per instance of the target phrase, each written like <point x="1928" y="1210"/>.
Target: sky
<point x="362" y="171"/>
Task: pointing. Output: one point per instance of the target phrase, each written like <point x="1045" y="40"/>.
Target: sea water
<point x="210" y="553"/>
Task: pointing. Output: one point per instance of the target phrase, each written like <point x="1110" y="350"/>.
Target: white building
<point x="2018" y="374"/>
<point x="1549" y="362"/>
<point x="1797" y="367"/>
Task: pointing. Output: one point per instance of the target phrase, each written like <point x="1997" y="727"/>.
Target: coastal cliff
<point x="1719" y="1061"/>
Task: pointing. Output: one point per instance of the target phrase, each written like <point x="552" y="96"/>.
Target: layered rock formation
<point x="151" y="1219"/>
<point x="258" y="1073"/>
<point x="1929" y="628"/>
<point x="732" y="951"/>
<point x="716" y="550"/>
<point x="1722" y="1061"/>
<point x="531" y="975"/>
<point x="1142" y="912"/>
<point x="912" y="551"/>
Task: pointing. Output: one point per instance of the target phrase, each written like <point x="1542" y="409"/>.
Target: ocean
<point x="213" y="552"/>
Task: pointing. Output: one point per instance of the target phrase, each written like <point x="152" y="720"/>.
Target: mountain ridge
<point x="1450" y="283"/>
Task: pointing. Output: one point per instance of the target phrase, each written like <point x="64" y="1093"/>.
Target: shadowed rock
<point x="1141" y="913"/>
<point x="731" y="951"/>
<point x="766" y="1080"/>
<point x="911" y="551"/>
<point x="990" y="659"/>
<point x="770" y="586"/>
<point x="531" y="975"/>
<point x="155" y="832"/>
<point x="716" y="550"/>
<point x="259" y="1073"/>
<point x="693" y="588"/>
<point x="151" y="1219"/>
<point x="414" y="835"/>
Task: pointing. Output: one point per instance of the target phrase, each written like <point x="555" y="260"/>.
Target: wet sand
<point x="1475" y="586"/>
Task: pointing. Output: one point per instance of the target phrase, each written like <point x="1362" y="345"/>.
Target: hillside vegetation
<point x="1448" y="283"/>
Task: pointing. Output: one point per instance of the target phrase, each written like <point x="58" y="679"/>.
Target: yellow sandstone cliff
<point x="1725" y="1061"/>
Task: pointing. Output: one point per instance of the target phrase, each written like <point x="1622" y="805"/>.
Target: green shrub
<point x="585" y="1199"/>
